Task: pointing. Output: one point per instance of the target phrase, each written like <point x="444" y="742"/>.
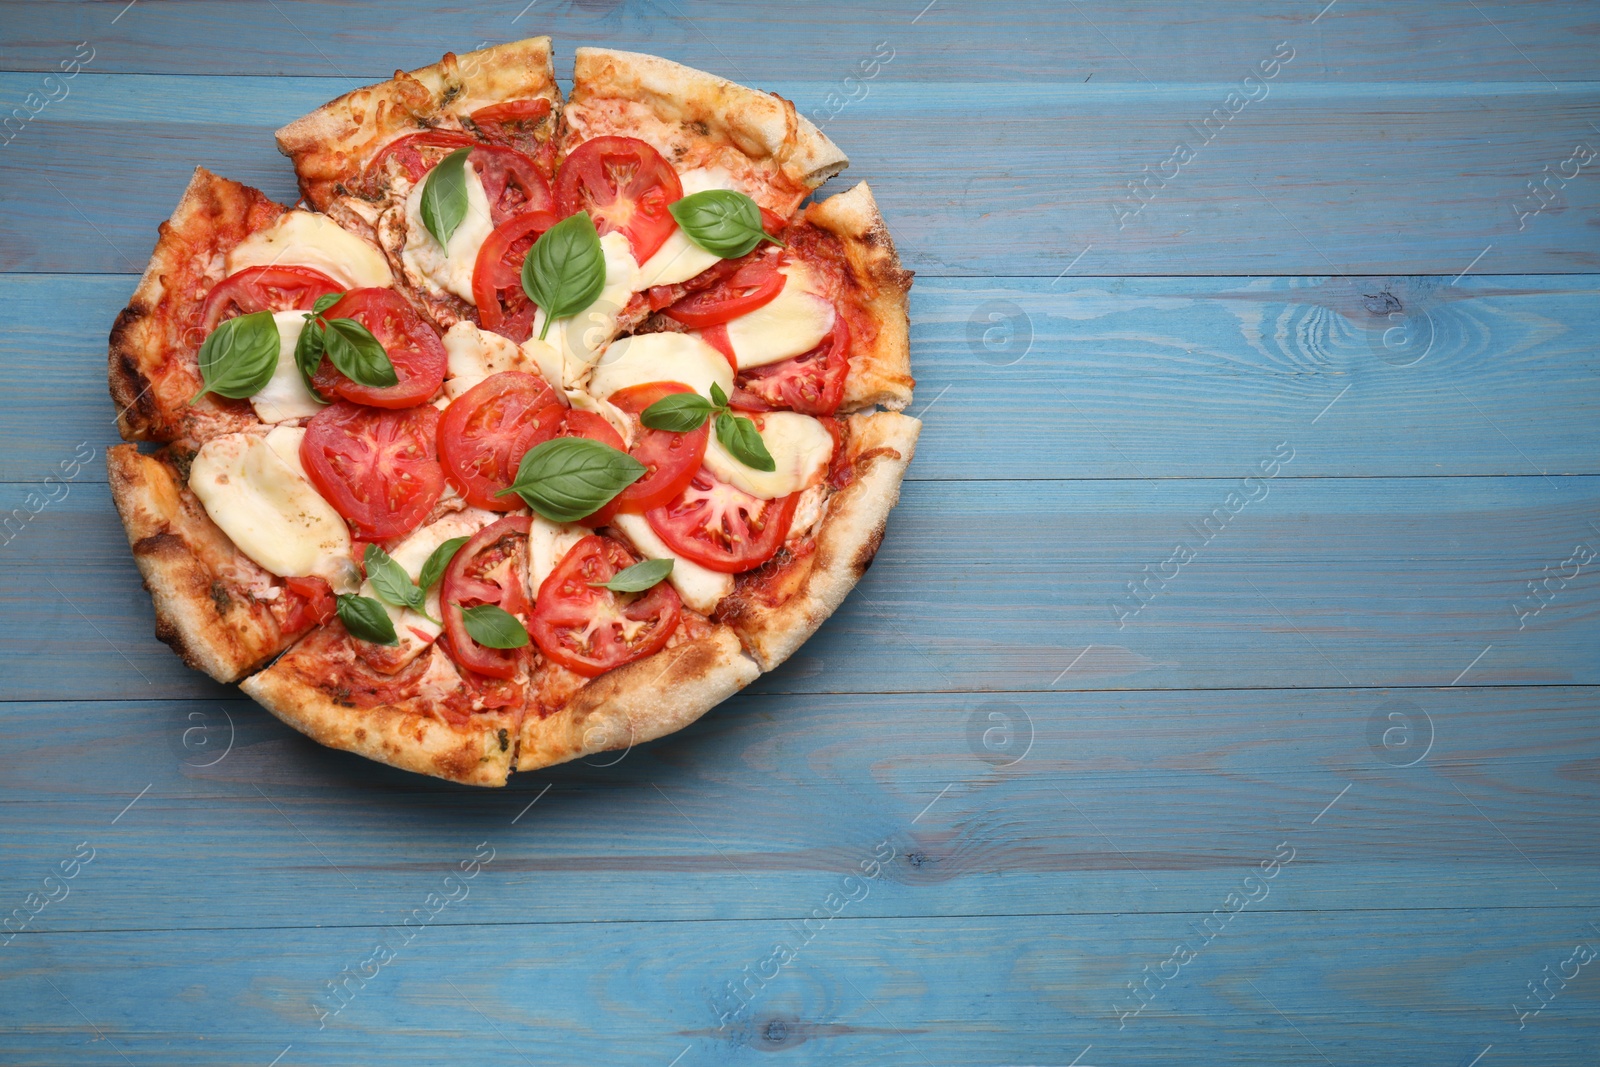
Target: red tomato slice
<point x="755" y="284"/>
<point x="415" y="350"/>
<point x="503" y="306"/>
<point x="486" y="430"/>
<point x="722" y="527"/>
<point x="308" y="603"/>
<point x="416" y="153"/>
<point x="576" y="423"/>
<point x="812" y="384"/>
<point x="625" y="185"/>
<point x="591" y="630"/>
<point x="489" y="569"/>
<point x="377" y="468"/>
<point x="265" y="289"/>
<point x="516" y="124"/>
<point x="670" y="459"/>
<point x="512" y="182"/>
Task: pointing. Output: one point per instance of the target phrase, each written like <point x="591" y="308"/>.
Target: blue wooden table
<point x="1225" y="692"/>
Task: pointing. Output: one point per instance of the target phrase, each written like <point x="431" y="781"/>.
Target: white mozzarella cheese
<point x="472" y="355"/>
<point x="285" y="396"/>
<point x="449" y="266"/>
<point x="268" y="508"/>
<point x="306" y="239"/>
<point x="548" y="542"/>
<point x="700" y="587"/>
<point x="680" y="259"/>
<point x="808" y="510"/>
<point x="581" y="338"/>
<point x="793" y="323"/>
<point x="800" y="447"/>
<point x="661" y="357"/>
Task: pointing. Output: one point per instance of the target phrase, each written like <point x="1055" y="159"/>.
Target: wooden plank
<point x="1022" y="804"/>
<point x="1316" y="582"/>
<point x="958" y="990"/>
<point x="1121" y="378"/>
<point x="1358" y="40"/>
<point x="1312" y="179"/>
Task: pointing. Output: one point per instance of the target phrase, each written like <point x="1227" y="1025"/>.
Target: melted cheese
<point x="285" y="396"/>
<point x="661" y="357"/>
<point x="700" y="587"/>
<point x="472" y="355"/>
<point x="793" y="323"/>
<point x="548" y="542"/>
<point x="449" y="266"/>
<point x="306" y="239"/>
<point x="267" y="507"/>
<point x="581" y="338"/>
<point x="800" y="446"/>
<point x="680" y="259"/>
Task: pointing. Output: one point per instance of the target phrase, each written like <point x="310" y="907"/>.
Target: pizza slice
<point x="227" y="251"/>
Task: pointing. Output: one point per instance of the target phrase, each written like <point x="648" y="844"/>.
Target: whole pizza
<point x="538" y="428"/>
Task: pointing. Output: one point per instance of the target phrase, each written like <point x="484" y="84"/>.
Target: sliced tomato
<point x="670" y="459"/>
<point x="415" y="350"/>
<point x="625" y="185"/>
<point x="489" y="569"/>
<point x="486" y="430"/>
<point x="517" y="124"/>
<point x="591" y="630"/>
<point x="416" y="153"/>
<point x="265" y="289"/>
<point x="377" y="468"/>
<point x="812" y="384"/>
<point x="753" y="285"/>
<point x="721" y="526"/>
<point x="308" y="602"/>
<point x="512" y="182"/>
<point x="503" y="305"/>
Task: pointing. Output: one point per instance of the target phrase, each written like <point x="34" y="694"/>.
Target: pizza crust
<point x="645" y="700"/>
<point x="880" y="371"/>
<point x="151" y="364"/>
<point x="847" y="539"/>
<point x="694" y="110"/>
<point x="477" y="753"/>
<point x="332" y="145"/>
<point x="199" y="582"/>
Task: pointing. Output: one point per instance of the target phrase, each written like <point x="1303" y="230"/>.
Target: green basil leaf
<point x="366" y="618"/>
<point x="324" y="302"/>
<point x="565" y="269"/>
<point x="493" y="627"/>
<point x="639" y="577"/>
<point x="358" y="355"/>
<point x="718" y="397"/>
<point x="433" y="570"/>
<point x="570" y="478"/>
<point x="308" y="351"/>
<point x="721" y="221"/>
<point x="444" y="196"/>
<point x="391" y="582"/>
<point x="741" y="438"/>
<point x="678" y="412"/>
<point x="238" y="358"/>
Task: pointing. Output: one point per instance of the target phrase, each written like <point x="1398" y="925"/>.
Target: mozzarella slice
<point x="661" y="357"/>
<point x="680" y="259"/>
<point x="268" y="508"/>
<point x="306" y="239"/>
<point x="700" y="587"/>
<point x="800" y="446"/>
<point x="285" y="396"/>
<point x="548" y="542"/>
<point x="793" y="323"/>
<point x="449" y="266"/>
<point x="472" y="355"/>
<point x="581" y="338"/>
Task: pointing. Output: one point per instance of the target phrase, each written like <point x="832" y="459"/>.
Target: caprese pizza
<point x="538" y="428"/>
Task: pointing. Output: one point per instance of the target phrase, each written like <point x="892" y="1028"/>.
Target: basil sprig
<point x="570" y="478"/>
<point x="365" y="618"/>
<point x="721" y="221"/>
<point x="494" y="627"/>
<point x="349" y="346"/>
<point x="565" y="269"/>
<point x="682" y="412"/>
<point x="639" y="577"/>
<point x="438" y="560"/>
<point x="444" y="196"/>
<point x="239" y="356"/>
<point x="394" y="586"/>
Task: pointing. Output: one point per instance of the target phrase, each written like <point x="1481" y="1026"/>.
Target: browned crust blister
<point x="201" y="585"/>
